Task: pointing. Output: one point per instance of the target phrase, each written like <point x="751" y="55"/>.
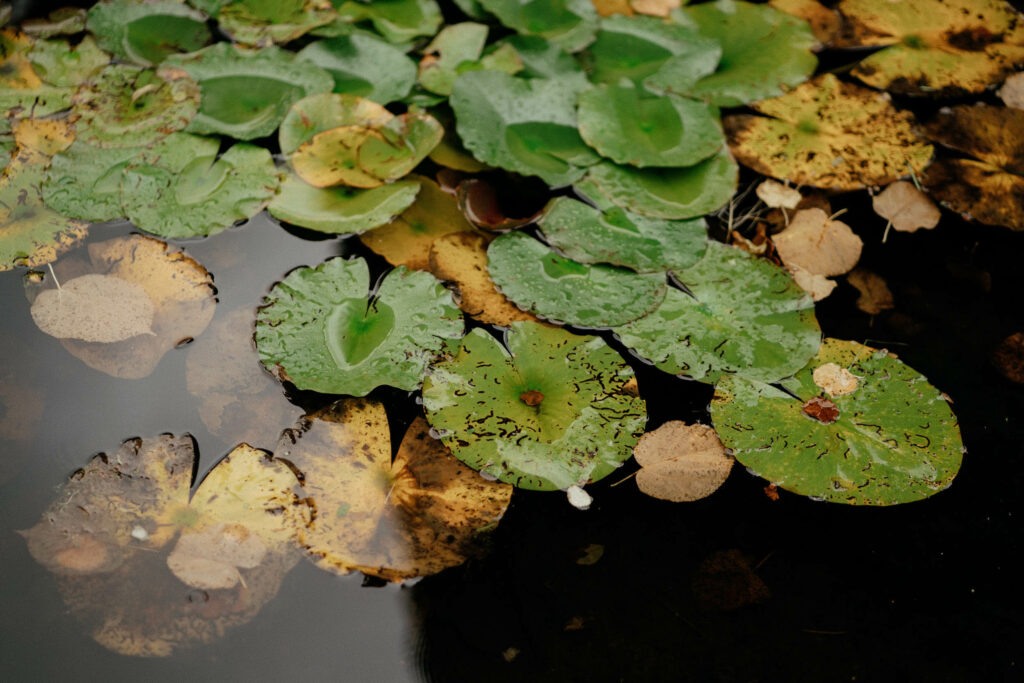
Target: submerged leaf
<point x="875" y="295"/>
<point x="681" y="462"/>
<point x="148" y="32"/>
<point x="94" y="308"/>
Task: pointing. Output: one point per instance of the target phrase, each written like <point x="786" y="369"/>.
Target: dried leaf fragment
<point x="906" y="207"/>
<point x="681" y="462"/>
<point x="94" y="308"/>
<point x="821" y="409"/>
<point x="210" y="559"/>
<point x="817" y="244"/>
<point x="875" y="295"/>
<point x="835" y="379"/>
<point x="818" y="286"/>
<point x="777" y="195"/>
<point x="1012" y="92"/>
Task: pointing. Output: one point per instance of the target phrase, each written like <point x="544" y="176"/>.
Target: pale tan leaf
<point x="834" y="379"/>
<point x="655" y="8"/>
<point x="681" y="462"/>
<point x="1012" y="92"/>
<point x="818" y="286"/>
<point x="906" y="207"/>
<point x="817" y="244"/>
<point x="94" y="308"/>
<point x="210" y="559"/>
<point x="776" y="195"/>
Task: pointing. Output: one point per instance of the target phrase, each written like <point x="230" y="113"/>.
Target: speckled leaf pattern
<point x="559" y="289"/>
<point x="59" y="63"/>
<point x="147" y="32"/>
<point x="323" y="111"/>
<point x="363" y="65"/>
<point x="744" y="316"/>
<point x="550" y="412"/>
<point x="319" y="331"/>
<point x="281" y="21"/>
<point x="895" y="440"/>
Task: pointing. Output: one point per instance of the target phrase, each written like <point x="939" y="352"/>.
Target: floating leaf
<point x="258" y="22"/>
<point x="525" y="126"/>
<point x="830" y="134"/>
<point x="455" y="49"/>
<point x="669" y="193"/>
<point x="246" y="93"/>
<point x="815" y="284"/>
<point x="569" y="23"/>
<point x="743" y="316"/>
<point x="450" y="152"/>
<point x="364" y="66"/>
<point x="825" y="23"/>
<point x="64" y="21"/>
<point x="22" y="92"/>
<point x="58" y="63"/>
<point x="397" y="20"/>
<point x="319" y="332"/>
<point x="559" y="289"/>
<point x="540" y="58"/>
<point x="725" y="582"/>
<point x="817" y="244"/>
<point x="892" y="440"/>
<point x="148" y="32"/>
<point x="94" y="308"/>
<point x="395" y="519"/>
<point x="776" y="195"/>
<point x="615" y="236"/>
<point x="208" y="195"/>
<point x="945" y="48"/>
<point x="681" y="462"/>
<point x="906" y="207"/>
<point x="323" y="111"/>
<point x="1012" y="92"/>
<point x="875" y="296"/>
<point x="630" y="126"/>
<point x="551" y="412"/>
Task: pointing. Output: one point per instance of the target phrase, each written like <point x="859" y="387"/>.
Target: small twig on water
<point x="626" y="478"/>
<point x="54" y="275"/>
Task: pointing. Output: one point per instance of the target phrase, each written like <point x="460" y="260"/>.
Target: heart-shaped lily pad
<point x="148" y="32"/>
<point x="319" y="331"/>
<point x="621" y="238"/>
<point x="569" y="23"/>
<point x="893" y="439"/>
<point x="743" y="316"/>
<point x="205" y="196"/>
<point x="364" y="66"/>
<point x="556" y="288"/>
<point x="341" y="210"/>
<point x="246" y="93"/>
<point x="551" y="412"/>
<point x="59" y="63"/>
<point x="262" y="22"/>
<point x="526" y="126"/>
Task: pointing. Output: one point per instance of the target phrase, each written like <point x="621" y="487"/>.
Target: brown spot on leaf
<point x="821" y="409"/>
<point x="531" y="398"/>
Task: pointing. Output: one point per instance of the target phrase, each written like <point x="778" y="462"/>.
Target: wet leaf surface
<point x="282" y="21"/>
<point x="681" y="462"/>
<point x="94" y="308"/>
<point x="364" y="66"/>
<point x="58" y="63"/>
<point x="147" y="32"/>
<point x="569" y="23"/>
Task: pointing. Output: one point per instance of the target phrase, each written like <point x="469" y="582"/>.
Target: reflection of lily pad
<point x="560" y="289"/>
<point x="205" y="196"/>
<point x="341" y="210"/>
<point x="892" y="440"/>
<point x="395" y="519"/>
<point x="552" y="411"/>
<point x="246" y="93"/>
<point x="569" y="23"/>
<point x="59" y="63"/>
<point x="743" y="316"/>
<point x="364" y="66"/>
<point x="526" y="126"/>
<point x="262" y="22"/>
<point x="621" y="238"/>
<point x="147" y="32"/>
<point x="319" y="332"/>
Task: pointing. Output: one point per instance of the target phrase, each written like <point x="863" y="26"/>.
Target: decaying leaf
<point x="578" y="498"/>
<point x="815" y="284"/>
<point x="834" y="379"/>
<point x="829" y="134"/>
<point x="815" y="243"/>
<point x="875" y="295"/>
<point x="726" y="582"/>
<point x="1009" y="357"/>
<point x="906" y="207"/>
<point x="412" y="515"/>
<point x="281" y="21"/>
<point x="681" y="462"/>
<point x="655" y="8"/>
<point x="210" y="559"/>
<point x="824" y="22"/>
<point x="94" y="308"/>
<point x="776" y="195"/>
<point x="1012" y="92"/>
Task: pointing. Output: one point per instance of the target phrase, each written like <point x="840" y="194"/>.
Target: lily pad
<point x="58" y="63"/>
<point x="341" y="210"/>
<point x="22" y="91"/>
<point x="64" y="21"/>
<point x="569" y="23"/>
<point x="742" y="316"/>
<point x="669" y="193"/>
<point x="892" y="440"/>
<point x="398" y="21"/>
<point x="621" y="238"/>
<point x="94" y="308"/>
<point x="319" y="331"/>
<point x="829" y="134"/>
<point x="395" y="519"/>
<point x="364" y="66"/>
<point x="246" y="93"/>
<point x="262" y="22"/>
<point x="540" y="58"/>
<point x="552" y="411"/>
<point x="127" y="106"/>
<point x="321" y="112"/>
<point x="559" y="289"/>
<point x="206" y="196"/>
<point x="455" y="49"/>
<point x="148" y="32"/>
<point x="631" y="126"/>
<point x="525" y="126"/>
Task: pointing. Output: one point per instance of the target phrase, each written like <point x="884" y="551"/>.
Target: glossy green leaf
<point x="397" y="20"/>
<point x="455" y="49"/>
<point x="341" y="210"/>
<point x="631" y="126"/>
<point x="364" y="66"/>
<point x="672" y="193"/>
<point x="147" y="32"/>
<point x="542" y="58"/>
<point x="570" y="23"/>
<point x="246" y="93"/>
<point x="552" y="411"/>
<point x="321" y="112"/>
<point x="742" y="316"/>
<point x="58" y="63"/>
<point x="526" y="126"/>
<point x="893" y="439"/>
<point x="319" y="331"/>
<point x="204" y="197"/>
<point x="589" y="235"/>
<point x="536" y="278"/>
<point x="263" y="22"/>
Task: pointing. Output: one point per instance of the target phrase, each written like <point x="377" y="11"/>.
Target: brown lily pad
<point x="681" y="462"/>
<point x="906" y="208"/>
<point x="815" y="243"/>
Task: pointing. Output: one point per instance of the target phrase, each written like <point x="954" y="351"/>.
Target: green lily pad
<point x="672" y="193"/>
<point x="551" y="412"/>
<point x="64" y="21"/>
<point x="321" y="112"/>
<point x="85" y="181"/>
<point x="58" y="63"/>
<point x="765" y="52"/>
<point x="398" y="21"/>
<point x="525" y="126"/>
<point x="319" y="331"/>
<point x="341" y="210"/>
<point x="893" y="439"/>
<point x="204" y="197"/>
<point x="569" y="23"/>
<point x="621" y="238"/>
<point x="743" y="316"/>
<point x="127" y="106"/>
<point x="458" y="49"/>
<point x="631" y="126"/>
<point x="648" y="50"/>
<point x="147" y="32"/>
<point x="246" y="93"/>
<point x="364" y="66"/>
<point x="263" y="22"/>
<point x="22" y="91"/>
<point x="542" y="58"/>
<point x="535" y="278"/>
<point x="450" y="152"/>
